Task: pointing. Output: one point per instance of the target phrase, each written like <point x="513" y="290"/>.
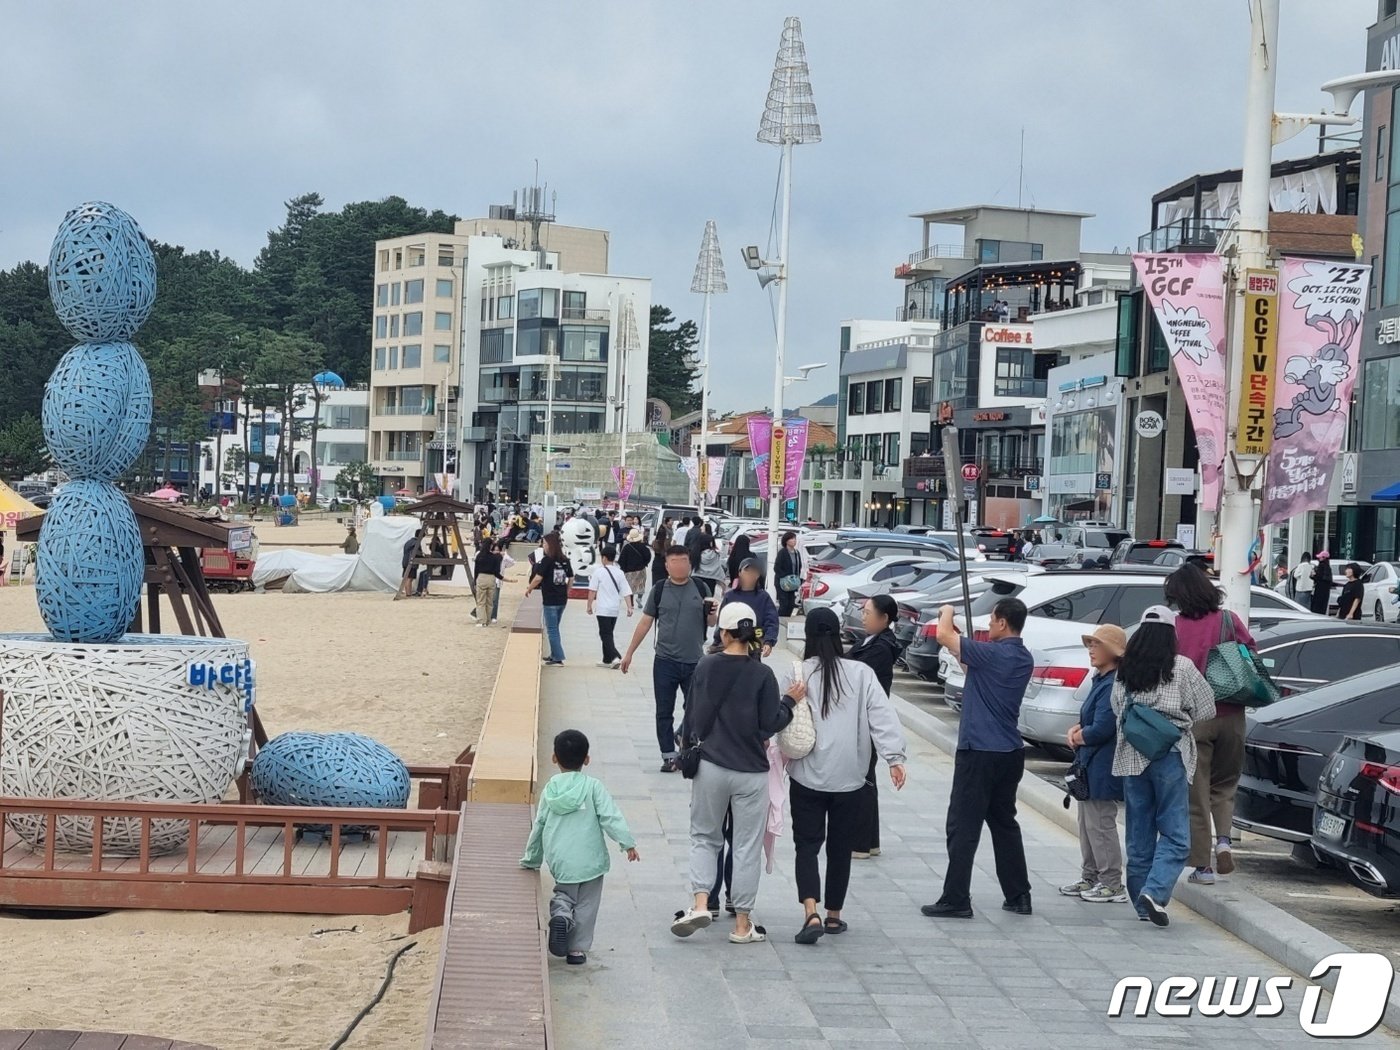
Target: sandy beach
<point x="415" y="674"/>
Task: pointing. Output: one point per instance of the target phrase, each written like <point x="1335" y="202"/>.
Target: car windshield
<point x="1104" y="539"/>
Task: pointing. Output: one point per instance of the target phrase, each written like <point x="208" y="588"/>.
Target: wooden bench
<point x="491" y="988"/>
<point x="504" y="766"/>
<point x="13" y="1039"/>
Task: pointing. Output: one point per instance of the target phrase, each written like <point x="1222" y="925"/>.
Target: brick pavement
<point x="896" y="978"/>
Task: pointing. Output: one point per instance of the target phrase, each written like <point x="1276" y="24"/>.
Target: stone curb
<point x="1288" y="941"/>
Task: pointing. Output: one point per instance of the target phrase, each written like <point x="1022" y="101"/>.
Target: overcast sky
<point x="202" y="119"/>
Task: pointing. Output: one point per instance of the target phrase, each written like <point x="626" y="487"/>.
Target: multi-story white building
<point x="421" y="299"/>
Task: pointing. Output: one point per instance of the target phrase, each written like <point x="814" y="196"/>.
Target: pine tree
<point x="672" y="364"/>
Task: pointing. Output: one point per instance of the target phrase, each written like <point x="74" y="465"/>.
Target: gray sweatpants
<point x="578" y="902"/>
<point x="1101" y="851"/>
<point x="713" y="792"/>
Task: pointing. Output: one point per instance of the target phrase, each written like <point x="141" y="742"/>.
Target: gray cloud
<point x="202" y="120"/>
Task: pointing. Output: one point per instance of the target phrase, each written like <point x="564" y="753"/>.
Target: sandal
<point x="834" y="925"/>
<point x="687" y="922"/>
<point x="811" y="931"/>
<point x="756" y="933"/>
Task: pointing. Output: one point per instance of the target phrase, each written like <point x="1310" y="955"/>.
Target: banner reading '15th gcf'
<point x="1319" y="321"/>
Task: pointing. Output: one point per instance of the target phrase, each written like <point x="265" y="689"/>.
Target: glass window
<point x="413" y="291"/>
<point x="1128" y="337"/>
<point x="923" y="400"/>
<point x="894" y="393"/>
<point x="1390" y="279"/>
<point x="1321" y="657"/>
<point x="381" y="326"/>
<point x="444" y="288"/>
<point x="380" y="356"/>
<point x="1158" y="356"/>
<point x="855" y="404"/>
<point x="383" y="259"/>
<point x="529" y="304"/>
<point x="505" y="307"/>
<point x="411" y="399"/>
<point x="394" y="294"/>
<point x="585" y="344"/>
<point x="874" y="395"/>
<point x="412" y="355"/>
<point x="445" y="256"/>
<point x="442" y="353"/>
<point x="890" y="454"/>
<point x="394" y="327"/>
<point x="549" y="302"/>
<point x="1133" y="601"/>
<point x="1380" y="392"/>
<point x="918" y="443"/>
<point x="988" y="251"/>
<point x="417" y="256"/>
<point x="442" y="321"/>
<point x="413" y="323"/>
<point x="381" y="295"/>
<point x="1392" y="168"/>
<point x="393" y="357"/>
<point x="1084" y="606"/>
<point x="574" y="303"/>
<point x="494" y="346"/>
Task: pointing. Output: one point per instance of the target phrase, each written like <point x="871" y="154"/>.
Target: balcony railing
<point x="1012" y="466"/>
<point x="1184" y="233"/>
<point x="404" y="410"/>
<point x="937" y="251"/>
<point x="573" y="315"/>
<point x="403" y="457"/>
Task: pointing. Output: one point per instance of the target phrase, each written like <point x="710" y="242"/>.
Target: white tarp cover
<point x="376" y="568"/>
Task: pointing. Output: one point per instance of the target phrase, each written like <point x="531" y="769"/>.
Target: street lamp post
<point x="708" y="280"/>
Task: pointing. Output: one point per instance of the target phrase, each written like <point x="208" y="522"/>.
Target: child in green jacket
<point x="574" y="813"/>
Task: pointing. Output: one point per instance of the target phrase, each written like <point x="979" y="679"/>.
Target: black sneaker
<point x="576" y="959"/>
<point x="944" y="910"/>
<point x="668" y="765"/>
<point x="559" y="936"/>
<point x="1156" y="912"/>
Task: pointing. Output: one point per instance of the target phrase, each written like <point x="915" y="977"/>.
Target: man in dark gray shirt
<point x="682" y="612"/>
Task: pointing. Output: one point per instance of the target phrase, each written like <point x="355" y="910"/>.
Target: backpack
<point x="704" y="607"/>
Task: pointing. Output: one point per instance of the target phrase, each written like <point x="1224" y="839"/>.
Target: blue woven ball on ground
<point x="97" y="410"/>
<point x="329" y="769"/>
<point x="102" y="273"/>
<point x="91" y="563"/>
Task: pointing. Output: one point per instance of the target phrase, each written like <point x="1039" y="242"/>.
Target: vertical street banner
<point x="760" y="444"/>
<point x="1255" y="430"/>
<point x="702" y="477"/>
<point x="795" y="451"/>
<point x="1187" y="293"/>
<point x="692" y="471"/>
<point x="777" y="456"/>
<point x="1319" y="321"/>
<point x="623" y="479"/>
<point x="714" y="477"/>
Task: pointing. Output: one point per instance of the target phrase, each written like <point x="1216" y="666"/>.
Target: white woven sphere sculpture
<point x="118" y="723"/>
<point x="97" y="410"/>
<point x="102" y="273"/>
<point x="91" y="563"/>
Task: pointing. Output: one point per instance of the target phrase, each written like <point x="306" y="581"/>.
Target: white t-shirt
<point x="608" y="586"/>
<point x="679" y="535"/>
<point x="1303" y="577"/>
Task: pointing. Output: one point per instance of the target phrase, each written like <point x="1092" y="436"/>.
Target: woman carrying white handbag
<point x="849" y="714"/>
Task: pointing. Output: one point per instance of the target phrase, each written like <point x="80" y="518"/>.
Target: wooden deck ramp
<point x="14" y="1039"/>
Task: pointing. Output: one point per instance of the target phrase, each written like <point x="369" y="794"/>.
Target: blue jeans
<point x="1158" y="828"/>
<point x="666" y="677"/>
<point x="552" y="613"/>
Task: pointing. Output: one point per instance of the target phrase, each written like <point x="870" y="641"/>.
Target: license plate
<point x="1330" y="825"/>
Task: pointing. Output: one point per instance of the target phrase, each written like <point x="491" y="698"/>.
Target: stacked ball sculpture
<point x="97" y="415"/>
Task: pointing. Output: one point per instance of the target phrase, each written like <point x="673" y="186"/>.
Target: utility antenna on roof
<point x="1021" y="175"/>
<point x="534" y="210"/>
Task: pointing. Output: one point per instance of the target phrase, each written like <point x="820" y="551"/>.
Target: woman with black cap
<point x="852" y="717"/>
<point x="1322" y="584"/>
<point x="878" y="650"/>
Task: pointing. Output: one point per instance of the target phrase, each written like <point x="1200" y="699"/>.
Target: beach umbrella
<point x="167" y="492"/>
<point x="1045" y="519"/>
<point x="13" y="507"/>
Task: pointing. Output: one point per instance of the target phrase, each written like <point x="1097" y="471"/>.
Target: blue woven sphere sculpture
<point x="102" y="273"/>
<point x="91" y="564"/>
<point x="97" y="410"/>
<point x="329" y="769"/>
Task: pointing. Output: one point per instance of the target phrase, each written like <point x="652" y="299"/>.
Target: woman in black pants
<point x="851" y="715"/>
<point x="658" y="554"/>
<point x="787" y="562"/>
<point x="877" y="651"/>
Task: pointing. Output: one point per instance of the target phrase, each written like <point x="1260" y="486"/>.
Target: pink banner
<point x="623" y="481"/>
<point x="1187" y="293"/>
<point x="796" y="433"/>
<point x="1320" y="308"/>
<point x="761" y="442"/>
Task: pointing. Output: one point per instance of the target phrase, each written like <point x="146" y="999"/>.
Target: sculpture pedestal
<point x="149" y="718"/>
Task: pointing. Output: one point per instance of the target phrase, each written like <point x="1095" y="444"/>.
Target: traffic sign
<point x="970" y="472"/>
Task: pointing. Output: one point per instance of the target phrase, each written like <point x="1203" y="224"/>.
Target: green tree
<point x="672" y="365"/>
<point x="355" y="479"/>
<point x="22" y="449"/>
<point x="283" y="367"/>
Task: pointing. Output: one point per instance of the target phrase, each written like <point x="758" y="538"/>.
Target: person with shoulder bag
<point x="1201" y="626"/>
<point x="1090" y="779"/>
<point x="787" y="567"/>
<point x="851" y="718"/>
<point x="733" y="708"/>
<point x="1157" y="698"/>
<point x="878" y="650"/>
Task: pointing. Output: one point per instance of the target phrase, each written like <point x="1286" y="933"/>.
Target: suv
<point x="1066" y="605"/>
<point x="1142" y="552"/>
<point x="995" y="544"/>
<point x="1075" y="543"/>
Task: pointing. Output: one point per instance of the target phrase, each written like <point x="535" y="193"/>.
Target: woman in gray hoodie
<point x="852" y="716"/>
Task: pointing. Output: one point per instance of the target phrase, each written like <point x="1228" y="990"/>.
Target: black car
<point x="994" y="543"/>
<point x="1288" y="744"/>
<point x="1356" y="825"/>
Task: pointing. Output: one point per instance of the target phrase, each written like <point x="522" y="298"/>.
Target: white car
<point x="1380" y="581"/>
<point x="1065" y="606"/>
<point x="828" y="590"/>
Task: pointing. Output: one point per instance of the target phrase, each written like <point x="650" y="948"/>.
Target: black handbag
<point x="1077" y="779"/>
<point x="688" y="758"/>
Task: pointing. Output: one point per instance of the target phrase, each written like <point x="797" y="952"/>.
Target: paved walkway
<point x="896" y="978"/>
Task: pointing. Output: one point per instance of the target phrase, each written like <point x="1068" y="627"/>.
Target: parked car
<point x="1066" y="542"/>
<point x="1288" y="744"/>
<point x="1380" y="581"/>
<point x="995" y="544"/>
<point x="919" y="608"/>
<point x="1356" y="821"/>
<point x="952" y="539"/>
<point x="828" y="590"/>
<point x="852" y="627"/>
<point x="1064" y="605"/>
<point x="852" y="548"/>
<point x="922" y="654"/>
<point x="1301" y="652"/>
<point x="1142" y="552"/>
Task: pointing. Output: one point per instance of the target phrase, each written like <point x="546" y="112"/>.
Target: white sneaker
<point x="1102" y="894"/>
<point x="687" y="922"/>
